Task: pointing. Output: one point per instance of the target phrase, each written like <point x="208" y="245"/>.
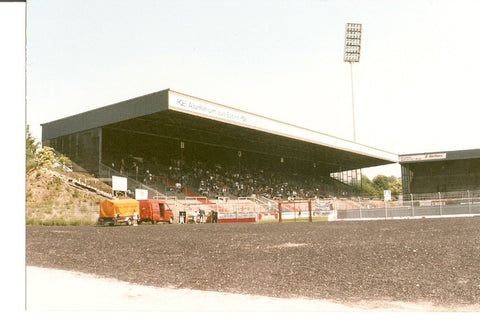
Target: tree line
<point x="42" y="157"/>
<point x="375" y="187"/>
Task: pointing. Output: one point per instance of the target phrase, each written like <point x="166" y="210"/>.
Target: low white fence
<point x="462" y="203"/>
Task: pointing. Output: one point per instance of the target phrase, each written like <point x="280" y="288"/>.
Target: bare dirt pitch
<point x="429" y="261"/>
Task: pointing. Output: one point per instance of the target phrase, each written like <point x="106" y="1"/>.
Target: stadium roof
<point x="161" y="113"/>
<point x="441" y="155"/>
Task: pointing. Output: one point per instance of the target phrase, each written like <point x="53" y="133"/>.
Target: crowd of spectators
<point x="229" y="180"/>
<point x="214" y="180"/>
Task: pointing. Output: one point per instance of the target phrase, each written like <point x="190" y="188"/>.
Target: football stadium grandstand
<point x="435" y="172"/>
<point x="178" y="146"/>
<point x="170" y="139"/>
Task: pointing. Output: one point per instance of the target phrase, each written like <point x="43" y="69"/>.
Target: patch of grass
<point x="84" y="209"/>
<point x="48" y="211"/>
<point x="50" y="200"/>
<point x="57" y="182"/>
<point x="60" y="222"/>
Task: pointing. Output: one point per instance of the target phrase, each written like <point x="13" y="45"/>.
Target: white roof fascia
<point x="202" y="108"/>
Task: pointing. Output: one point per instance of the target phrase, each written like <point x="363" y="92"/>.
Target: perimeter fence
<point x="412" y="205"/>
<point x="255" y="209"/>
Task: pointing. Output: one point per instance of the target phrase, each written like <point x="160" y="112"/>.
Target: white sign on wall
<point x="119" y="183"/>
<point x="198" y="107"/>
<point x="387" y="195"/>
<point x="141" y="194"/>
<point x="422" y="157"/>
<point x="177" y="101"/>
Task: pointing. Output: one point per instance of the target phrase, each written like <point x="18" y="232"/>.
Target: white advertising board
<point x="199" y="107"/>
<point x="141" y="194"/>
<point x="119" y="183"/>
<point x="387" y="195"/>
<point x="423" y="157"/>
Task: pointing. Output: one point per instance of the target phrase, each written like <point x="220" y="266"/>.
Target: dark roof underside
<point x="210" y="133"/>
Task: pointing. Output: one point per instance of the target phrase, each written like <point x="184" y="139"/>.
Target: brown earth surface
<point x="433" y="261"/>
<point x="52" y="199"/>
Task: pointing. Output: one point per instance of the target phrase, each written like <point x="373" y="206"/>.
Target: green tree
<point x="392" y="183"/>
<point x="32" y="147"/>
<point x="396" y="186"/>
<point x="369" y="187"/>
<point x="381" y="182"/>
<point x="375" y="187"/>
<point x="44" y="157"/>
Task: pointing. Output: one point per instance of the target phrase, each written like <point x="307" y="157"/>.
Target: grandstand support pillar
<point x="239" y="154"/>
<point x="182" y="147"/>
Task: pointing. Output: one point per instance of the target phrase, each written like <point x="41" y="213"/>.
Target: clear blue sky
<point x="416" y="85"/>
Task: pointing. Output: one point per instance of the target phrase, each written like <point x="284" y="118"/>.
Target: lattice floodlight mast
<point x="353" y="38"/>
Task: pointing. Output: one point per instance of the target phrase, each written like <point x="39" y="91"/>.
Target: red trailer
<point x="154" y="211"/>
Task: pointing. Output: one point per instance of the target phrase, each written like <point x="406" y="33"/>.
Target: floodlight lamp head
<point x="353" y="38"/>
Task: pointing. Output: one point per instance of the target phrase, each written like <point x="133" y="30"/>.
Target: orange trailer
<point x="118" y="211"/>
